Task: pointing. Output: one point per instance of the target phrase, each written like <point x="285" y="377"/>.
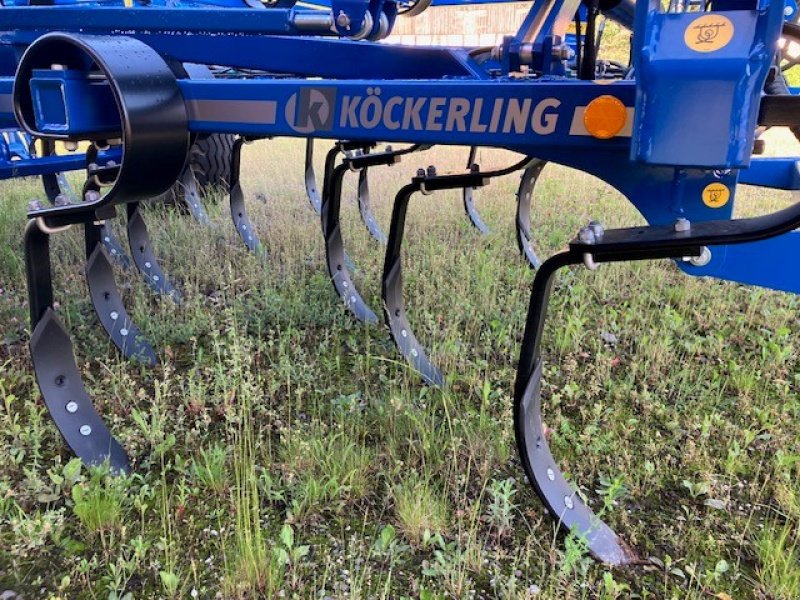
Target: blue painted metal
<point x="686" y="127"/>
<point x="715" y="126"/>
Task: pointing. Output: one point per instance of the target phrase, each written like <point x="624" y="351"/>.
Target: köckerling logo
<point x="311" y="109"/>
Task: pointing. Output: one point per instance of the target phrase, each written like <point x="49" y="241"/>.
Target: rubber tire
<point x="210" y="159"/>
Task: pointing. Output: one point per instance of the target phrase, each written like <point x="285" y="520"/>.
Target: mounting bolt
<point x="72" y="407"/>
<point x="91" y="196"/>
<point x="586" y="235"/>
<point x="57" y="67"/>
<point x="61" y="200"/>
<point x="86" y="430"/>
<point x="388" y="149"/>
<point x="71" y="146"/>
<point x="431" y="171"/>
<point x="682" y="225"/>
<point x="597" y="229"/>
<point x="703" y="259"/>
<point x="474" y="168"/>
<point x="568" y="502"/>
<point x="420" y="172"/>
<point x="35" y="205"/>
<point x="343" y="20"/>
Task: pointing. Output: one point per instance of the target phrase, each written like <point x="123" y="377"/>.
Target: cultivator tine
<point x="54" y="364"/>
<point x="241" y="221"/>
<point x="311" y="179"/>
<point x="467" y="196"/>
<point x="392" y="294"/>
<point x="107" y="301"/>
<point x="114" y="246"/>
<point x="145" y="258"/>
<point x="560" y="498"/>
<point x="392" y="283"/>
<point x="191" y="196"/>
<point x="527" y="183"/>
<point x="331" y="227"/>
<point x="365" y="208"/>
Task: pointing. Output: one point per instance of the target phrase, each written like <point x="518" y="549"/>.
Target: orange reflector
<point x="605" y="117"/>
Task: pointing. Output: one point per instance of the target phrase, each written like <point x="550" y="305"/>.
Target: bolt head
<point x="343" y="20"/>
<point x="682" y="225"/>
<point x="586" y="235"/>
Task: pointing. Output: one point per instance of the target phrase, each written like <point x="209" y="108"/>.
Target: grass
<point x="281" y="449"/>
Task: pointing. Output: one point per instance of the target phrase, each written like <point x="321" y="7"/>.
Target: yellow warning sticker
<point x="708" y="33"/>
<point x="716" y="195"/>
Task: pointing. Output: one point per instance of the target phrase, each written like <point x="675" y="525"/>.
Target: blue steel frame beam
<point x="302" y="56"/>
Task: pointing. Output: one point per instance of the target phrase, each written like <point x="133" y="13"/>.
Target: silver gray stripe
<point x="233" y="111"/>
<point x="6" y="103"/>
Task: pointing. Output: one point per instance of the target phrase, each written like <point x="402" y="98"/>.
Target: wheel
<point x="210" y="159"/>
<point x="210" y="162"/>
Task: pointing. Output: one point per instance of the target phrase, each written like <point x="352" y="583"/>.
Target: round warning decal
<point x="708" y="33"/>
<point x="716" y="195"/>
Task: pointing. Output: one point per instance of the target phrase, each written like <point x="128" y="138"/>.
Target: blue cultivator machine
<point x="674" y="132"/>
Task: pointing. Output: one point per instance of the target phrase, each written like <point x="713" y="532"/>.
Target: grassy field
<point x="282" y="450"/>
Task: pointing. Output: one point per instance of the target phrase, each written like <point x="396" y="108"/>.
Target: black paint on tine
<point x="107" y="302"/>
<point x="191" y="196"/>
<point x="241" y="221"/>
<point x="334" y="248"/>
<point x="114" y="246"/>
<point x="527" y="184"/>
<point x="561" y="500"/>
<point x="365" y="207"/>
<point x="311" y="179"/>
<point x="330" y="164"/>
<point x="57" y="375"/>
<point x="392" y="293"/>
<point x="467" y="196"/>
<point x="145" y="258"/>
